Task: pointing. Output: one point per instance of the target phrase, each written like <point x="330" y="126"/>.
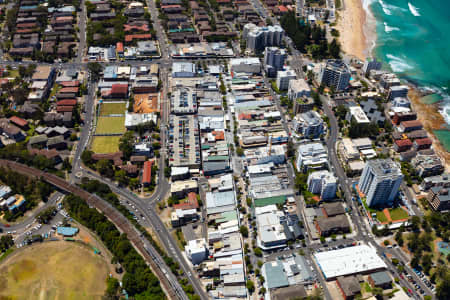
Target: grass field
<point x="53" y="270"/>
<point x="105" y="144"/>
<point x="381" y="217"/>
<point x="112" y="108"/>
<point x="107" y="125"/>
<point x="398" y="214"/>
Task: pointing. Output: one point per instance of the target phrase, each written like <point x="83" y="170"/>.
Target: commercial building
<point x="250" y="65"/>
<point x="336" y="74"/>
<point x="258" y="38"/>
<point x="284" y="77"/>
<point x="298" y="88"/>
<point x="183" y="69"/>
<point x="311" y="156"/>
<point x="183" y="101"/>
<point x="219" y="202"/>
<point x="308" y="124"/>
<point x="287" y="270"/>
<point x="132" y="120"/>
<point x="183" y="187"/>
<point x="380" y="182"/>
<point x="323" y="183"/>
<point x="360" y="259"/>
<point x="196" y="251"/>
<point x="270" y="231"/>
<point x="274" y="58"/>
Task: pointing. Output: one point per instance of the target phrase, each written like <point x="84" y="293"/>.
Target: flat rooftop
<point x="346" y="261"/>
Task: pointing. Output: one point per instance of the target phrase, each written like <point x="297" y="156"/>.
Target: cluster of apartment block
<point x="57" y="39"/>
<point x="138" y="42"/>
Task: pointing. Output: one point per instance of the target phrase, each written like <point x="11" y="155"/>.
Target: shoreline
<point x="431" y="118"/>
<point x="357" y="30"/>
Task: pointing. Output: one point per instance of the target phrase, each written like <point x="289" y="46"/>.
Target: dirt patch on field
<point x="53" y="270"/>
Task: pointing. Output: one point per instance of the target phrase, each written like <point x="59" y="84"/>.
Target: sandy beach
<point x="352" y="29"/>
<point x="431" y="119"/>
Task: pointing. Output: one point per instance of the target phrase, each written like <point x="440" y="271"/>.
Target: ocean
<point x="413" y="41"/>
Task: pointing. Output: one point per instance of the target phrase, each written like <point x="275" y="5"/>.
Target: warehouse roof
<point x="350" y="260"/>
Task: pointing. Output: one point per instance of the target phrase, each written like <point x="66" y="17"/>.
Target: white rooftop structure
<point x="245" y="65"/>
<point x="347" y="261"/>
<point x="183" y="69"/>
<point x="196" y="250"/>
<point x="133" y="119"/>
<point x="270" y="230"/>
<point x="218" y="202"/>
<point x="311" y="156"/>
<point x="358" y="114"/>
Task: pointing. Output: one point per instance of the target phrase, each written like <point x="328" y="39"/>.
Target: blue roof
<point x="275" y="276"/>
<point x="67" y="231"/>
<point x="110" y="72"/>
<point x="26" y="7"/>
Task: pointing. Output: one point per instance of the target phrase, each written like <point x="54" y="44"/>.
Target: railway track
<point x="154" y="260"/>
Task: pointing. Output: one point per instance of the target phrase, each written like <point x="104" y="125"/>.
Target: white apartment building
<point x="258" y="38"/>
<point x="380" y="182"/>
<point x="311" y="156"/>
<point x="283" y="79"/>
<point x="336" y="74"/>
<point x="323" y="183"/>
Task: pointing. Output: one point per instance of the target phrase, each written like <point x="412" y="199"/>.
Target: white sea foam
<point x="414" y="10"/>
<point x="388" y="28"/>
<point x="385" y="8"/>
<point x="389" y="8"/>
<point x="398" y="64"/>
<point x="369" y="26"/>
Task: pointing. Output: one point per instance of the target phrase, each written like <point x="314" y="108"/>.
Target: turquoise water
<point x="444" y="137"/>
<point x="414" y="42"/>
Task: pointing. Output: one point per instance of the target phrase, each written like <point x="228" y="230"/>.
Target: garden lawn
<point x="110" y="125"/>
<point x="105" y="144"/>
<point x="381" y="217"/>
<point x="398" y="214"/>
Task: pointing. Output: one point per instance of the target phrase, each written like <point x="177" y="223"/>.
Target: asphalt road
<point x="31" y="219"/>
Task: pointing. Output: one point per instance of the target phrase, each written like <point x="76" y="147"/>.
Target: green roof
<point x="227" y="216"/>
<point x="205" y="147"/>
<point x="217" y="158"/>
<point x="269" y="201"/>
